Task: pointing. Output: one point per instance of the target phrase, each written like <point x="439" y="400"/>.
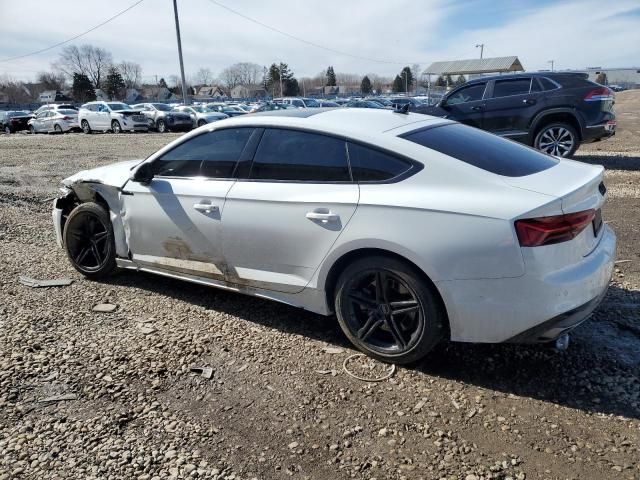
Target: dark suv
<point x="553" y="112"/>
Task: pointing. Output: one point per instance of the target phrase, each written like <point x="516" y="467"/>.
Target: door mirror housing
<point x="143" y="174"/>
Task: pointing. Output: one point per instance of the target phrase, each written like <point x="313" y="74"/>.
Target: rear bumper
<point x="593" y="133"/>
<point x="533" y="307"/>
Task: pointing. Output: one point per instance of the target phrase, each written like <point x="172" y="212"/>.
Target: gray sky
<point x="575" y="34"/>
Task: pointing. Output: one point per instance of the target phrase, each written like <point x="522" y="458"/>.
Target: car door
<point x="510" y="105"/>
<point x="39" y="124"/>
<point x="103" y="117"/>
<point x="466" y="104"/>
<point x="174" y="221"/>
<point x="283" y="216"/>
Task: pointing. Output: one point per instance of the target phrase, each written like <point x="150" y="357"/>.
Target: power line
<point x="73" y="38"/>
<point x="339" y="52"/>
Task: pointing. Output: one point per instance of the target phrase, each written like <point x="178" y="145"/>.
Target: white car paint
<point x="102" y="115"/>
<point x="48" y="121"/>
<point x="454" y="221"/>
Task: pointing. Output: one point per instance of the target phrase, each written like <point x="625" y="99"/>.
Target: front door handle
<point x="205" y="207"/>
<point x="529" y="101"/>
<point x="323" y="217"/>
<point x="477" y="108"/>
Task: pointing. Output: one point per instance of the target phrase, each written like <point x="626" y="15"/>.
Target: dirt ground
<point x="278" y="404"/>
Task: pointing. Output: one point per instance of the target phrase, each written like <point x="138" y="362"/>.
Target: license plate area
<point x="597" y="222"/>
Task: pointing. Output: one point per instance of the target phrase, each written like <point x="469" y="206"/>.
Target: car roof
<point x="341" y="121"/>
<point x="527" y="75"/>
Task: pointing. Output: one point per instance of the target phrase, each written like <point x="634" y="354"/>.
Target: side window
<point x="298" y="103"/>
<point x="547" y="84"/>
<point x="213" y="154"/>
<point x="508" y="88"/>
<point x="300" y="156"/>
<point x="467" y="94"/>
<point x="535" y="85"/>
<point x="368" y="164"/>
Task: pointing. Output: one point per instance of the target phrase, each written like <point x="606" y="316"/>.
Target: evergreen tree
<point x="407" y="79"/>
<point x="82" y="88"/>
<point x="449" y="80"/>
<point x="440" y="82"/>
<point x="460" y="80"/>
<point x="291" y="87"/>
<point x="365" y="86"/>
<point x="114" y="85"/>
<point x="289" y="83"/>
<point x="398" y="84"/>
<point x="162" y="83"/>
<point x="331" y="77"/>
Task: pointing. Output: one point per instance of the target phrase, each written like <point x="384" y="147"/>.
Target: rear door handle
<point x="205" y="207"/>
<point x="323" y="217"/>
<point x="477" y="109"/>
<point x="529" y="101"/>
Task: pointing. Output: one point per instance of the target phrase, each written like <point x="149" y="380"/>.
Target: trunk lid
<point x="579" y="187"/>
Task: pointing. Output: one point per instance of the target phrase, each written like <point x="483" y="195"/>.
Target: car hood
<point x="115" y="174"/>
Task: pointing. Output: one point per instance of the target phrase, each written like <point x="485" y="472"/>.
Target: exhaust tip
<point x="562" y="342"/>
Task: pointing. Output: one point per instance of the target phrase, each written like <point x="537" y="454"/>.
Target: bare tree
<point x="131" y="73"/>
<point x="244" y="73"/>
<point x="204" y="76"/>
<point x="51" y="80"/>
<point x="15" y="90"/>
<point x="85" y="60"/>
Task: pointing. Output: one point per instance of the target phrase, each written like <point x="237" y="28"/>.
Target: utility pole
<point x="481" y="45"/>
<point x="551" y="62"/>
<point x="185" y="98"/>
<point x="280" y="76"/>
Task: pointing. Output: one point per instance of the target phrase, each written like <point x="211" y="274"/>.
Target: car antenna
<point x="404" y="109"/>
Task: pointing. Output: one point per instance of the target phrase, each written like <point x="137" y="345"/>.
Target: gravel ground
<point x="111" y="396"/>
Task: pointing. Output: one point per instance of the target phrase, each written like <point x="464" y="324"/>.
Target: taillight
<point x="67" y="118"/>
<point x="535" y="232"/>
<point x="599" y="94"/>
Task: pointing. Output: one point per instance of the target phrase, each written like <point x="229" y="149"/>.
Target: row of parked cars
<point x="553" y="112"/>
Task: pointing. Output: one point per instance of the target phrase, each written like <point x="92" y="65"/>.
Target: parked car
<point x="363" y="104"/>
<point x="410" y="228"/>
<point x="201" y="115"/>
<point x="55" y="106"/>
<point x="229" y="110"/>
<point x="14" y="121"/>
<point x="299" y="102"/>
<point x="553" y="112"/>
<point x="163" y="118"/>
<point x="57" y="120"/>
<point x="402" y="101"/>
<point x="327" y="103"/>
<point x="270" y="107"/>
<point x="111" y="116"/>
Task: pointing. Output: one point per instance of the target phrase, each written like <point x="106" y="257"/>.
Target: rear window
<point x="573" y="81"/>
<point x="482" y="149"/>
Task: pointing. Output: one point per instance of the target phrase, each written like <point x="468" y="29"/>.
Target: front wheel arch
<point x="348" y="258"/>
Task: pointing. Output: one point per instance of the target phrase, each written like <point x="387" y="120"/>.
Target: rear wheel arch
<point x="350" y="257"/>
<point x="548" y="118"/>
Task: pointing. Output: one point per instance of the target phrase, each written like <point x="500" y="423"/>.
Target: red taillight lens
<point x="67" y="118"/>
<point x="535" y="232"/>
<point x="599" y="94"/>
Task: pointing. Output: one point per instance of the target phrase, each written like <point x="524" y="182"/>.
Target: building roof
<point x="477" y="65"/>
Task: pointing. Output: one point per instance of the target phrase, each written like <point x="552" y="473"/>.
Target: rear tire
<point x="89" y="242"/>
<point x="557" y="139"/>
<point x="32" y="130"/>
<point x="7" y="130"/>
<point x="201" y="123"/>
<point x="57" y="128"/>
<point x="85" y="127"/>
<point x="161" y="126"/>
<point x="388" y="310"/>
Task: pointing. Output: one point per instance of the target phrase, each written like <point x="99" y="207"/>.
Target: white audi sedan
<point x="411" y="229"/>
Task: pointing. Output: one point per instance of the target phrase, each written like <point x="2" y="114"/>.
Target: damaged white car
<point x="412" y="229"/>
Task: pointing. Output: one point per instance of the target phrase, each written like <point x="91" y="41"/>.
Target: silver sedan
<point x="201" y="115"/>
<point x="56" y="121"/>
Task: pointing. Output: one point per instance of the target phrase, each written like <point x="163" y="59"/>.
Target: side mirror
<point x="143" y="174"/>
<point x="442" y="103"/>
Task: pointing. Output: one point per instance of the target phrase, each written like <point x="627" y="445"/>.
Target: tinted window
<point x="212" y="155"/>
<point x="535" y="85"/>
<point x="507" y="88"/>
<point x="467" y="94"/>
<point x="573" y="81"/>
<point x="547" y="84"/>
<point x="368" y="164"/>
<point x="483" y="150"/>
<point x="293" y="155"/>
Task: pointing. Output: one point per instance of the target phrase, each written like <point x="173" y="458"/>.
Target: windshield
<point x="67" y="111"/>
<point x="116" y="106"/>
<point x="163" y="107"/>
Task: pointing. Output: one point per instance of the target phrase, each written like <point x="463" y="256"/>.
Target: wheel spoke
<point x="405" y="310"/>
<point x="370" y="326"/>
<point x="96" y="253"/>
<point x="381" y="295"/>
<point x="363" y="301"/>
<point x="99" y="236"/>
<point x="395" y="332"/>
<point x="82" y="255"/>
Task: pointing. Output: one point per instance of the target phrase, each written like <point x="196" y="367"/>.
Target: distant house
<point x="211" y="91"/>
<point x="248" y="91"/>
<point x="52" y="96"/>
<point x="157" y="94"/>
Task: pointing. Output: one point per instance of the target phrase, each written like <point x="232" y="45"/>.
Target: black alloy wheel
<point x="88" y="239"/>
<point x="201" y="123"/>
<point x="387" y="310"/>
